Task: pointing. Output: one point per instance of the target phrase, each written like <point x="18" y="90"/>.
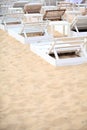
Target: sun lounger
<point x="19" y="4"/>
<point x="79" y="24"/>
<point x="34" y="29"/>
<point x="62" y="51"/>
<point x="65" y="5"/>
<point x="50" y="2"/>
<point x="82" y="5"/>
<point x="12" y="19"/>
<point x="15" y="10"/>
<point x="54" y="14"/>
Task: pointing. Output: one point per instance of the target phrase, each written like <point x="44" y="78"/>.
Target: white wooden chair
<point x="20" y="3"/>
<point x="79" y="25"/>
<point x="15" y="10"/>
<point x="12" y="16"/>
<point x="12" y="19"/>
<point x="34" y="29"/>
<point x="65" y="5"/>
<point x="63" y="51"/>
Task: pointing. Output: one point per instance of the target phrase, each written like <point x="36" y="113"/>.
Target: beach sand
<point x="35" y="95"/>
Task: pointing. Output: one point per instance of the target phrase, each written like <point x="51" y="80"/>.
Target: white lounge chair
<point x="20" y="3"/>
<point x="50" y="2"/>
<point x="79" y="25"/>
<point x="63" y="51"/>
<point x="34" y="29"/>
<point x="11" y="19"/>
<point x="65" y="5"/>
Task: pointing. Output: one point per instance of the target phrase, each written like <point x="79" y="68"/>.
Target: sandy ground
<point x="35" y="95"/>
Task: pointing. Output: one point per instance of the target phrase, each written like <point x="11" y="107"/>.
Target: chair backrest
<point x="50" y="2"/>
<point x="12" y="18"/>
<point x="66" y="5"/>
<point x="19" y="4"/>
<point x="54" y="14"/>
<point x="80" y="22"/>
<point x="15" y="10"/>
<point x="32" y="8"/>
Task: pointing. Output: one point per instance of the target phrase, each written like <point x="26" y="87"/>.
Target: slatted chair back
<point x="54" y="14"/>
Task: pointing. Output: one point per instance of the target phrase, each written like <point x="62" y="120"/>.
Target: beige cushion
<point x="33" y="8"/>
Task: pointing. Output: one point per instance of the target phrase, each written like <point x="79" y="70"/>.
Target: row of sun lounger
<point x="78" y="24"/>
<point x="58" y="51"/>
